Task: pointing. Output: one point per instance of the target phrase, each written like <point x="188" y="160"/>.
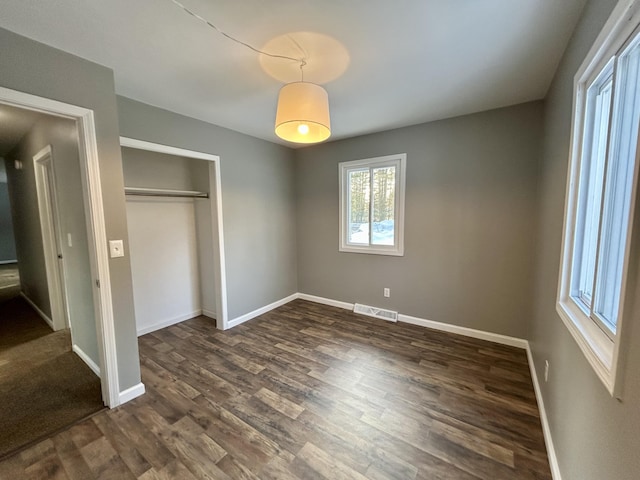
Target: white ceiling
<point x="409" y="61"/>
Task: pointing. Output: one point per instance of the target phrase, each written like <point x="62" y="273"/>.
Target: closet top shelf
<point x="164" y="192"/>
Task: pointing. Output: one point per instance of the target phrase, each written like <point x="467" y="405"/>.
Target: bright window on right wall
<point x="601" y="191"/>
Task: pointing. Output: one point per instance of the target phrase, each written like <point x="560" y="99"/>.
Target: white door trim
<point x="50" y="229"/>
<point x="222" y="321"/>
<point x="90" y="167"/>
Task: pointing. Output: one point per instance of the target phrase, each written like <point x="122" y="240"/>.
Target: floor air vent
<point x="388" y="315"/>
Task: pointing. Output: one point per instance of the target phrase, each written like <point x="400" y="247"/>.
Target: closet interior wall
<point x="170" y="239"/>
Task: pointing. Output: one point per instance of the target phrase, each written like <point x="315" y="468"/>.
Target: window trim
<point x="601" y="351"/>
<point x="343" y="167"/>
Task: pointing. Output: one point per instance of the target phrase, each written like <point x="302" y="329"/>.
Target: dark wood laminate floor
<point x="309" y="391"/>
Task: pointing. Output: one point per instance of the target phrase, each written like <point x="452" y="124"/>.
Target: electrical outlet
<point x="387" y="292"/>
<point x="546" y="370"/>
<point x="69" y="240"/>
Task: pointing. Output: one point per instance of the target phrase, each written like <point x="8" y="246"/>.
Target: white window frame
<point x="601" y="349"/>
<point x="400" y="162"/>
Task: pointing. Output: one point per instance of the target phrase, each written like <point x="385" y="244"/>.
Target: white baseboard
<point x="131" y="393"/>
<point x="248" y="316"/>
<point x="209" y="313"/>
<point x="6" y="262"/>
<point x="168" y="323"/>
<point x="465" y="331"/>
<point x="444" y="327"/>
<point x="326" y="301"/>
<point x="38" y="311"/>
<point x="546" y="430"/>
<point x="85" y="358"/>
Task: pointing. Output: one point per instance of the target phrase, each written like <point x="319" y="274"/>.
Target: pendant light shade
<point x="303" y="113"/>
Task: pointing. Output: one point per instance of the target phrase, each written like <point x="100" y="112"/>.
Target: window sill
<point x="596" y="346"/>
<point x="394" y="252"/>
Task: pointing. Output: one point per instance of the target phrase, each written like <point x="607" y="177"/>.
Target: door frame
<point x="222" y="320"/>
<point x="50" y="229"/>
<point x="98" y="251"/>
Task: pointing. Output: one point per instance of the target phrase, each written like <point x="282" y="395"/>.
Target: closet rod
<point x="163" y="192"/>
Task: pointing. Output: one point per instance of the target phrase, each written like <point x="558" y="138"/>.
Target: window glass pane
<point x="383" y="208"/>
<point x="372" y="205"/>
<point x="591" y="187"/>
<point x="617" y="195"/>
<point x="359" y="193"/>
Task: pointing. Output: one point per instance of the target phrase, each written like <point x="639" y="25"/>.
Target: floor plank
<point x="309" y="391"/>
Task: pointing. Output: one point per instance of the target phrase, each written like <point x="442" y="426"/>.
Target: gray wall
<point x="26" y="221"/>
<point x="470" y="202"/>
<point x="7" y="243"/>
<point x="596" y="436"/>
<point x="62" y="135"/>
<point x="34" y="68"/>
<point x="258" y="198"/>
<point x="157" y="170"/>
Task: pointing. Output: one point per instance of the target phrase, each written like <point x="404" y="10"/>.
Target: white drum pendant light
<point x="303" y="107"/>
<point x="303" y="113"/>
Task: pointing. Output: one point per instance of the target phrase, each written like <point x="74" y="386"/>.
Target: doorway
<point x="50" y="229"/>
<point x="95" y="228"/>
<point x="48" y="371"/>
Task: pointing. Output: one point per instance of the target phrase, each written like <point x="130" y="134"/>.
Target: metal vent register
<point x="382" y="313"/>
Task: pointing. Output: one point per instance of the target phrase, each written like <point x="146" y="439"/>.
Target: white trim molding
<point x="42" y="315"/>
<point x="100" y="265"/>
<point x="465" y="331"/>
<point x="326" y="301"/>
<point x="255" y="313"/>
<point x="168" y="322"/>
<point x="7" y="262"/>
<point x="166" y="149"/>
<point x="86" y="359"/>
<point x="215" y="178"/>
<point x="49" y="226"/>
<point x="546" y="429"/>
<point x="209" y="313"/>
<point x="131" y="393"/>
<point x="443" y="327"/>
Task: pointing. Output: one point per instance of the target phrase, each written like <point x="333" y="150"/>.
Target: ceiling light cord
<point x="211" y="25"/>
<point x="302" y="114"/>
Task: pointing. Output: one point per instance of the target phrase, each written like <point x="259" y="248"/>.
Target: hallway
<point x="44" y="385"/>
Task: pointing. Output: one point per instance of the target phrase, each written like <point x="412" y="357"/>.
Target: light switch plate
<point x="116" y="248"/>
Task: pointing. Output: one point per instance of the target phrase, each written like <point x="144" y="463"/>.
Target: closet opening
<point x="174" y="219"/>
